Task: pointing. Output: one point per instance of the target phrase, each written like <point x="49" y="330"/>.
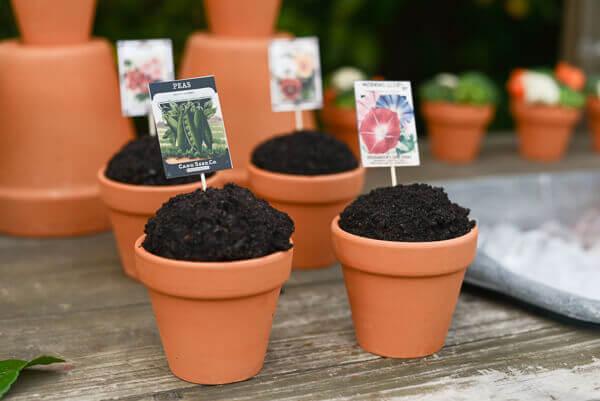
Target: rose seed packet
<point x="142" y="62"/>
<point x="295" y="74"/>
<point x="386" y="123"/>
<point x="190" y="126"/>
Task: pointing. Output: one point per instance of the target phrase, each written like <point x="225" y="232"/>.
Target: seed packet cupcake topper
<point x="140" y="63"/>
<point x="295" y="69"/>
<point x="386" y="124"/>
<point x="190" y="127"/>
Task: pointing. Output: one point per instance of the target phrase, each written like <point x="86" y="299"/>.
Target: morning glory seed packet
<point x="386" y="123"/>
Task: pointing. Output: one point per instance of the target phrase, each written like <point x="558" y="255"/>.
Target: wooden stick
<point x="393" y="173"/>
<point x="299" y="122"/>
<point x="203" y="181"/>
<point x="151" y="125"/>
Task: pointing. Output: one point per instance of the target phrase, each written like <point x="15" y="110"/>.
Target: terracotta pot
<point x="456" y="130"/>
<point x="340" y="122"/>
<point x="593" y="109"/>
<point x="544" y="132"/>
<point x="402" y="294"/>
<point x="130" y="207"/>
<point x="311" y="201"/>
<point x="61" y="117"/>
<point x="242" y="18"/>
<point x="246" y="103"/>
<point x="214" y="318"/>
<point x="54" y="22"/>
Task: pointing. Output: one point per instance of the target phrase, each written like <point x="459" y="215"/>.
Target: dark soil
<point x="304" y="153"/>
<point x="217" y="225"/>
<point x="408" y="213"/>
<point x="140" y="163"/>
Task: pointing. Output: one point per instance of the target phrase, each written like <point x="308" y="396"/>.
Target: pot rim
<point x="302" y="179"/>
<point x="143" y="199"/>
<point x="306" y="189"/>
<point x="411" y="255"/>
<point x="147" y="188"/>
<point x="228" y="279"/>
<point x="400" y="244"/>
<point x="524" y="106"/>
<point x="458" y="104"/>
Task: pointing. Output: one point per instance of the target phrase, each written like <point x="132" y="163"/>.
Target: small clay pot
<point x="456" y="130"/>
<point x="242" y="18"/>
<point x="593" y="109"/>
<point x="340" y="122"/>
<point x="130" y="207"/>
<point x="214" y="318"/>
<point x="54" y="22"/>
<point x="544" y="132"/>
<point x="402" y="294"/>
<point x="312" y="201"/>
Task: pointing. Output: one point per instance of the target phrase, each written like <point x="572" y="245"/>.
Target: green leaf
<point x="10" y="369"/>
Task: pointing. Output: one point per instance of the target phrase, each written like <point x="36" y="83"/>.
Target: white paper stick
<point x="151" y="125"/>
<point x="393" y="173"/>
<point x="299" y="122"/>
<point x="203" y="181"/>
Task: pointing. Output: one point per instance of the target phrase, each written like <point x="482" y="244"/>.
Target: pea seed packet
<point x="189" y="126"/>
<point x="295" y="74"/>
<point x="386" y="123"/>
<point x="140" y="63"/>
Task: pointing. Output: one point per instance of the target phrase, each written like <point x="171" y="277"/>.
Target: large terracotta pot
<point x="593" y="109"/>
<point x="311" y="202"/>
<point x="456" y="130"/>
<point x="214" y="318"/>
<point x="245" y="98"/>
<point x="61" y="120"/>
<point x="130" y="207"/>
<point x="54" y="22"/>
<point x="242" y="18"/>
<point x="340" y="122"/>
<point x="544" y="132"/>
<point x="402" y="294"/>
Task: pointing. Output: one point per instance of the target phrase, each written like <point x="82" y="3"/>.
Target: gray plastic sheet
<point x="528" y="201"/>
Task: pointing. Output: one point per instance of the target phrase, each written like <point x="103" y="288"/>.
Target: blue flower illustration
<point x="398" y="104"/>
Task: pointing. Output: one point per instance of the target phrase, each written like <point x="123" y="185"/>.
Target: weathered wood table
<point x="69" y="297"/>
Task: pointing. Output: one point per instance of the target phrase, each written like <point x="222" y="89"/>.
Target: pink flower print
<point x="365" y="104"/>
<point x="152" y="69"/>
<point x="380" y="130"/>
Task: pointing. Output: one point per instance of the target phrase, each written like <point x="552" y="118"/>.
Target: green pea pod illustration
<point x="200" y="127"/>
<point x="189" y="132"/>
<point x="181" y="141"/>
<point x="208" y="138"/>
<point x="169" y="136"/>
<point x="171" y="122"/>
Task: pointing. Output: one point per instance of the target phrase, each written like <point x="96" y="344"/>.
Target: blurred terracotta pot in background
<point x="242" y="18"/>
<point x="340" y="122"/>
<point x="544" y="131"/>
<point x="593" y="109"/>
<point x="312" y="201"/>
<point x="456" y="131"/>
<point x="130" y="207"/>
<point x="54" y="22"/>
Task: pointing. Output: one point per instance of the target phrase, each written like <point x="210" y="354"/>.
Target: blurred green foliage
<point x="399" y="39"/>
<point x="470" y="88"/>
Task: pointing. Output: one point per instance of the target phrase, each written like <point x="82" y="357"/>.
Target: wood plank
<point x="117" y="352"/>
